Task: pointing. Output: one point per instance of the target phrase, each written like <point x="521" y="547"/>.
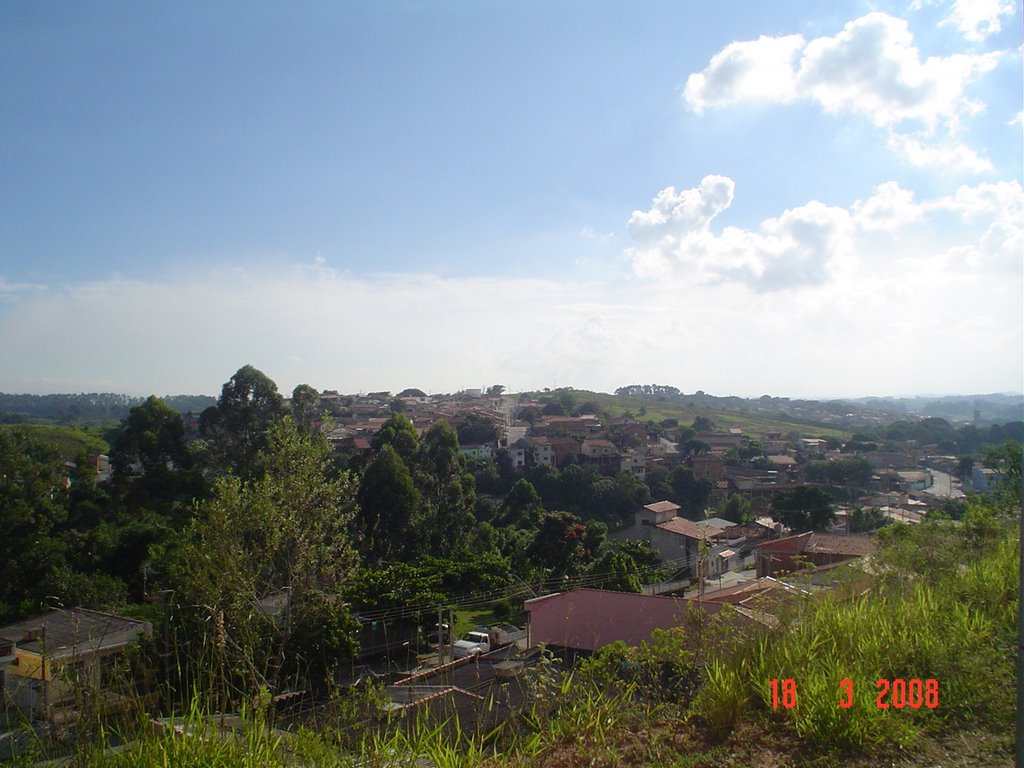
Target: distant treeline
<point x="996" y="408"/>
<point x="964" y="440"/>
<point x="94" y="405"/>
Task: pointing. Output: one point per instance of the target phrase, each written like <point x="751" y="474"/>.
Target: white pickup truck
<point x="486" y="639"/>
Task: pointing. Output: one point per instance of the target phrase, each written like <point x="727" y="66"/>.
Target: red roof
<point x="842" y="545"/>
<point x="662" y="506"/>
<point x="689" y="529"/>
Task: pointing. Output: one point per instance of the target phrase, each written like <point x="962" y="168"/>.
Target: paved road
<point x="944" y="486"/>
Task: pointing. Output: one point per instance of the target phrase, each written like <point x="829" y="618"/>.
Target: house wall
<point x="518" y="457"/>
<point x="672" y="546"/>
<point x="591" y="619"/>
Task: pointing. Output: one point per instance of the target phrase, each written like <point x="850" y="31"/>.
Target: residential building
<point x="796" y="552"/>
<point x="634" y="461"/>
<point x="482" y="452"/>
<point x="540" y="449"/>
<point x="566" y="449"/>
<point x="44" y="661"/>
<point x="707" y="466"/>
<point x="518" y="455"/>
<point x="603" y="453"/>
<point x="675" y="539"/>
<point x="813" y="446"/>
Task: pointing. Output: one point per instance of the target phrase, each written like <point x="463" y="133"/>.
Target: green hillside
<point x="68" y="441"/>
<point x="646" y="409"/>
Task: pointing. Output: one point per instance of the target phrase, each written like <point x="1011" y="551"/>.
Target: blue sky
<point x="804" y="199"/>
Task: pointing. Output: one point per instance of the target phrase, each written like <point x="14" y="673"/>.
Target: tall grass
<point x="959" y="630"/>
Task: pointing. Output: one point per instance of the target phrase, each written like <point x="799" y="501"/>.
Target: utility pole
<point x="46" y="676"/>
<point x="440" y="636"/>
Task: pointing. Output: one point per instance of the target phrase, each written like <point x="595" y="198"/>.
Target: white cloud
<point x="954" y="155"/>
<point x="887" y="285"/>
<point x="760" y="70"/>
<point x="815" y="243"/>
<point x="674" y="235"/>
<point x="9" y="290"/>
<point x="688" y="211"/>
<point x="1002" y="198"/>
<point x="977" y="19"/>
<point x="999" y="207"/>
<point x="872" y="69"/>
<point x="890" y="208"/>
<point x="589" y="233"/>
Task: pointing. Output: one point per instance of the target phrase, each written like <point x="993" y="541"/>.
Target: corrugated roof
<point x="65" y="631"/>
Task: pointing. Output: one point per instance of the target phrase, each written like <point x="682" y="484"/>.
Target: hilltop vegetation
<point x="723" y="412"/>
<point x="68" y="442"/>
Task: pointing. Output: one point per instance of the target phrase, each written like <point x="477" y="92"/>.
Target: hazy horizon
<point x="286" y="392"/>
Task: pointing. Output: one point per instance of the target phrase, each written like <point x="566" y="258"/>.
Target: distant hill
<point x="753" y="416"/>
<point x="102" y="407"/>
<point x="996" y="408"/>
<point x="67" y="441"/>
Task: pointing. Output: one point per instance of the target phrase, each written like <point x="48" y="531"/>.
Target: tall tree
<point x="152" y="437"/>
<point x="262" y="574"/>
<point x="703" y="424"/>
<point x="617" y="571"/>
<point x="448" y="491"/>
<point x="304" y="404"/>
<point x="736" y="509"/>
<point x="1008" y="462"/>
<point x="237" y="426"/>
<point x="689" y="492"/>
<point x="659" y="483"/>
<point x="477" y="430"/>
<point x="30" y="517"/>
<point x="400" y="434"/>
<point x="616" y="498"/>
<point x="559" y="545"/>
<point x="804" y="508"/>
<point x="522" y="506"/>
<point x="387" y="518"/>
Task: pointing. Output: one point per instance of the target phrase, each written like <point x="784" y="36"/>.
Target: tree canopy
<point x="386" y="520"/>
<point x="265" y="564"/>
<point x="237" y="426"/>
<point x="804" y="508"/>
